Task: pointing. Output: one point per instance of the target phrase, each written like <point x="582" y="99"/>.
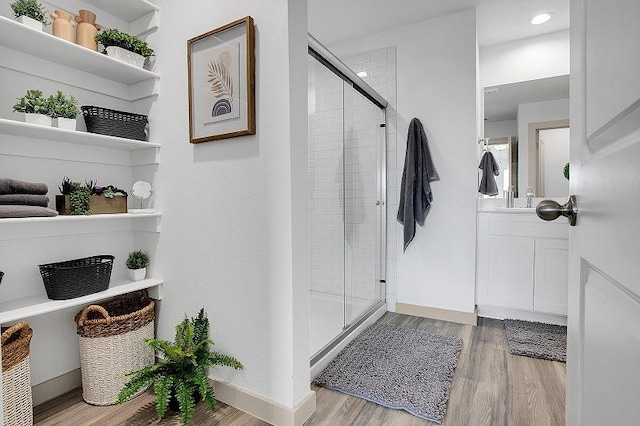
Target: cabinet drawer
<point x="525" y="225"/>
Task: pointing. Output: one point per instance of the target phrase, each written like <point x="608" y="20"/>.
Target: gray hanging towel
<point x="489" y="168"/>
<point x="415" y="191"/>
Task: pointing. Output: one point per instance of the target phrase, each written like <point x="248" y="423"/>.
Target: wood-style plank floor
<point x="491" y="387"/>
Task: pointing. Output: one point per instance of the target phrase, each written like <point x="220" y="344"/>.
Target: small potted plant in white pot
<point x="124" y="47"/>
<point x="35" y="107"/>
<point x="30" y="13"/>
<point x="63" y="110"/>
<point x="137" y="263"/>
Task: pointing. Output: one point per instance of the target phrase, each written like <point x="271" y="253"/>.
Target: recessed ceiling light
<point x="362" y="74"/>
<point x="541" y="18"/>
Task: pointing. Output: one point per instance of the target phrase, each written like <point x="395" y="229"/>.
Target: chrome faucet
<point x="530" y="195"/>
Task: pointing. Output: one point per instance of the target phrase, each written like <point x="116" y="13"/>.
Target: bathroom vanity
<point x="522" y="265"/>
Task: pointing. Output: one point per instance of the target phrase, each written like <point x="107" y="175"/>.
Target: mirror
<point x="527" y="128"/>
<point x="141" y="191"/>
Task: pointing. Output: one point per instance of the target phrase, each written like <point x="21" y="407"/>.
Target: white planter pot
<point x="64" y="123"/>
<point x="39" y="119"/>
<point x="31" y="23"/>
<point x="125" y="56"/>
<point x="137" y="274"/>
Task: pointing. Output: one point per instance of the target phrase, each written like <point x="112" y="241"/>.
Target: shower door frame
<point x="331" y="62"/>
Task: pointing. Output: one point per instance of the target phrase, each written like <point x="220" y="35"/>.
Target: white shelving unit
<point x="127" y="10"/>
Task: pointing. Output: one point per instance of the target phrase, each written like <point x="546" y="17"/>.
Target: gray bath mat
<point x="537" y="339"/>
<point x="398" y="368"/>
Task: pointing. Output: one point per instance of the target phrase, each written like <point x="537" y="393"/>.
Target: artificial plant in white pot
<point x="63" y="110"/>
<point x="137" y="263"/>
<point x="35" y="107"/>
<point x="30" y="13"/>
<point x="124" y="47"/>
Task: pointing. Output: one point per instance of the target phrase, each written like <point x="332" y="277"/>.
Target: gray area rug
<point x="537" y="339"/>
<point x="398" y="368"/>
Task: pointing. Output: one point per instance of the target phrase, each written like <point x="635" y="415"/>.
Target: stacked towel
<point x="24" y="199"/>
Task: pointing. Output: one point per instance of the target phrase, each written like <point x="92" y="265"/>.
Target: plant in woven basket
<point x="183" y="372"/>
<point x="31" y="8"/>
<point x="113" y="37"/>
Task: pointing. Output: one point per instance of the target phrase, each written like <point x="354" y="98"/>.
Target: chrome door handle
<point x="550" y="210"/>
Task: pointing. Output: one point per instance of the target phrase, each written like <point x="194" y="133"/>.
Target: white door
<point x="603" y="367"/>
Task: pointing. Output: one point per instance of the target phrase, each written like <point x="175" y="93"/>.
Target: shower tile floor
<point x="326" y="317"/>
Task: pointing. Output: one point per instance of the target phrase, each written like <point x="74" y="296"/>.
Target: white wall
<point x="528" y="59"/>
<point x="535" y="112"/>
<point x="234" y="228"/>
<point x="436" y="77"/>
<point x="500" y="129"/>
<point x="556" y="155"/>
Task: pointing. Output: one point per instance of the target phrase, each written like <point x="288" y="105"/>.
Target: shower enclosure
<point x="346" y="196"/>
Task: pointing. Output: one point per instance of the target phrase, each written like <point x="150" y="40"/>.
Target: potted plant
<point x="181" y="376"/>
<point x="35" y="107"/>
<point x="30" y="13"/>
<point x="137" y="263"/>
<point x="90" y="198"/>
<point x="124" y="47"/>
<point x="63" y="110"/>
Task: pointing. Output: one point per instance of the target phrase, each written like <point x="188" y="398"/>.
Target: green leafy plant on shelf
<point x="79" y="196"/>
<point x="31" y="8"/>
<point x="33" y="103"/>
<point x="138" y="259"/>
<point x="565" y="171"/>
<point x="62" y="106"/>
<point x="108" y="191"/>
<point x="113" y="37"/>
<point x="182" y="375"/>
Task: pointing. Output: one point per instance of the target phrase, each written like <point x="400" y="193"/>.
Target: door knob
<point x="550" y="210"/>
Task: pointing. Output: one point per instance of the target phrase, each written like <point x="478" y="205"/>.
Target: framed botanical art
<point x="222" y="82"/>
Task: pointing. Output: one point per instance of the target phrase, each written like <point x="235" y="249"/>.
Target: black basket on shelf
<point x="1" y="275"/>
<point x="78" y="277"/>
<point x="115" y="123"/>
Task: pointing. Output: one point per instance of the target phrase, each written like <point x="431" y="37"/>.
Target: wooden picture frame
<point x="221" y="73"/>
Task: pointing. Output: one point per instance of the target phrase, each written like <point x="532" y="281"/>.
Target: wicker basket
<point x="115" y="123"/>
<point x="16" y="376"/>
<point x="78" y="277"/>
<point x="112" y="345"/>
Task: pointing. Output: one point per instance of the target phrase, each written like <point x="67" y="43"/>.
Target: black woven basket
<point x="1" y="275"/>
<point x="78" y="277"/>
<point x="115" y="123"/>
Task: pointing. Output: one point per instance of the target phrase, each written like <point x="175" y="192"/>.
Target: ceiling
<point x="499" y="21"/>
<point x="503" y="104"/>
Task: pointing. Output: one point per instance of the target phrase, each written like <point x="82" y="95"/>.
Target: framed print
<point x="221" y="66"/>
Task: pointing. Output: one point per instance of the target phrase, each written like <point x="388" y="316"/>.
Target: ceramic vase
<point x="30" y="22"/>
<point x="124" y="55"/>
<point x="63" y="25"/>
<point x="87" y="30"/>
<point x="137" y="274"/>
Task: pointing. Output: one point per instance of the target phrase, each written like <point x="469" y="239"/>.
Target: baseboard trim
<point x="497" y="312"/>
<point x="264" y="408"/>
<point x="55" y="387"/>
<point x="470" y="318"/>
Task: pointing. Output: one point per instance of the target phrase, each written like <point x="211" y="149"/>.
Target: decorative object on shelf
<point x="87" y="29"/>
<point x="30" y="13"/>
<point x="222" y="82"/>
<point x="90" y="198"/>
<point x="565" y="171"/>
<point x="63" y="110"/>
<point x="63" y="25"/>
<point x="115" y="123"/>
<point x="141" y="191"/>
<point x="19" y="199"/>
<point x="16" y="375"/>
<point x="182" y="375"/>
<point x="77" y="277"/>
<point x="124" y="47"/>
<point x="35" y="107"/>
<point x="137" y="263"/>
<point x="112" y="336"/>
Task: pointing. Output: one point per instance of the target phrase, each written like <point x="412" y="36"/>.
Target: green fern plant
<point x="182" y="373"/>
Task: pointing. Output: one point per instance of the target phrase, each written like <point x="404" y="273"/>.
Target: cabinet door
<point x="552" y="276"/>
<point x="505" y="271"/>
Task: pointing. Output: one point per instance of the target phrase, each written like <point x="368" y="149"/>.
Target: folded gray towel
<point x="489" y="168"/>
<point x="25" y="211"/>
<point x="11" y="186"/>
<point x="24" y="200"/>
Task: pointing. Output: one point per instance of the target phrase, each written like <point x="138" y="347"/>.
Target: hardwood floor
<point x="491" y="387"/>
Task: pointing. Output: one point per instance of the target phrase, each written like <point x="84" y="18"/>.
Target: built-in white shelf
<point x="14" y="35"/>
<point x="28" y="130"/>
<point x="15" y="310"/>
<point x="127" y="10"/>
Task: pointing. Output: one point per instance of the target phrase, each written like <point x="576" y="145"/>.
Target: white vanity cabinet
<point x="522" y="265"/>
